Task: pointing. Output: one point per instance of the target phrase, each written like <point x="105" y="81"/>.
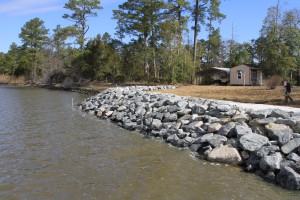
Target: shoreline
<point x="260" y="140"/>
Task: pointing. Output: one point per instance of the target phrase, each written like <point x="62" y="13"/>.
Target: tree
<point x="11" y="59"/>
<point x="141" y="19"/>
<point x="34" y="37"/>
<point x="291" y="39"/>
<point x="204" y="12"/>
<point x="175" y="15"/>
<point x="82" y="10"/>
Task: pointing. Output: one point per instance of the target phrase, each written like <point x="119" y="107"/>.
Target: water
<point x="49" y="150"/>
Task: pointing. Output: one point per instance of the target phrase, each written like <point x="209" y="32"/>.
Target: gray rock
<point x="130" y="125"/>
<point x="270" y="163"/>
<point x="213" y="139"/>
<point x="241" y="130"/>
<point x="270" y="175"/>
<point x="199" y="109"/>
<point x="264" y="121"/>
<point x="294" y="157"/>
<point x="252" y="141"/>
<point x="288" y="178"/>
<point x="289" y="122"/>
<point x="267" y="150"/>
<point x="183" y="112"/>
<point x="226" y="129"/>
<point x="279" y="132"/>
<point x="296" y="128"/>
<point x="280" y="114"/>
<point x="195" y="147"/>
<point x="242" y="117"/>
<point x="223" y="107"/>
<point x="156" y="124"/>
<point x="173" y="108"/>
<point x="261" y="114"/>
<point x="290" y="146"/>
<point x="225" y="154"/>
<point x="172" y="138"/>
<point x="170" y="117"/>
<point x="193" y="126"/>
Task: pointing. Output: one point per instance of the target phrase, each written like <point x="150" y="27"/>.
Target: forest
<point x="160" y="49"/>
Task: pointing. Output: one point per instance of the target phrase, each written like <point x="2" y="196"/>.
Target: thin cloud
<point x="24" y="7"/>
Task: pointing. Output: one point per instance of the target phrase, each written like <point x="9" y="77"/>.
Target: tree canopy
<point x="158" y="41"/>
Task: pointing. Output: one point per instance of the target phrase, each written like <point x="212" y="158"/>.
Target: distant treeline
<point x="160" y="49"/>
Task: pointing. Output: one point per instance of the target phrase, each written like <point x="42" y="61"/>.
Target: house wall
<point x="245" y="79"/>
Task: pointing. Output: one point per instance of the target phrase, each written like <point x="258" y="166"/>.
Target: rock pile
<point x="266" y="141"/>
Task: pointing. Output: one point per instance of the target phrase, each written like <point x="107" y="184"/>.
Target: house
<point x="245" y="75"/>
<point x="238" y="75"/>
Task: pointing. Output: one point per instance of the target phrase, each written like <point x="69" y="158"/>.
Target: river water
<point x="49" y="150"/>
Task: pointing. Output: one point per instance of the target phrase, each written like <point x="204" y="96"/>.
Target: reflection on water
<point x="50" y="151"/>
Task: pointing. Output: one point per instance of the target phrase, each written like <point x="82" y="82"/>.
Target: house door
<point x="254" y="77"/>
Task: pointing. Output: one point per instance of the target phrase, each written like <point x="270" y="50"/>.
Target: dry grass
<point x="4" y="79"/>
<point x="247" y="94"/>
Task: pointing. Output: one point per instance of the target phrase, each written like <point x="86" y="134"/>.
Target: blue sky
<point x="244" y="17"/>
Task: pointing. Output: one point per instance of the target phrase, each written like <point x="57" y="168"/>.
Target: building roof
<point x="224" y="69"/>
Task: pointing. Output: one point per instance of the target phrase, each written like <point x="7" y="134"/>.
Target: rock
<point x="290" y="146"/>
<point x="241" y="130"/>
<point x="156" y="124"/>
<point x="289" y="122"/>
<point x="226" y="129"/>
<point x="213" y="139"/>
<point x="206" y="125"/>
<point x="296" y="127"/>
<point x="242" y="117"/>
<point x="260" y="114"/>
<point x="264" y="121"/>
<point x="280" y="114"/>
<point x="270" y="175"/>
<point x="288" y="178"/>
<point x="279" y="132"/>
<point x="294" y="157"/>
<point x="170" y="117"/>
<point x="223" y="107"/>
<point x="252" y="141"/>
<point x="214" y="127"/>
<point x="225" y="154"/>
<point x="267" y="150"/>
<point x="270" y="163"/>
<point x="195" y="147"/>
<point x="199" y="109"/>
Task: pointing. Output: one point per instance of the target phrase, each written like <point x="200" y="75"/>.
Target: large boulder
<point x="225" y="154"/>
<point x="280" y="132"/>
<point x="270" y="163"/>
<point x="252" y="141"/>
<point x="226" y="129"/>
<point x="213" y="139"/>
<point x="291" y="146"/>
<point x="288" y="178"/>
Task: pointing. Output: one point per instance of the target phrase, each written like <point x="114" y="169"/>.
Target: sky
<point x="244" y="18"/>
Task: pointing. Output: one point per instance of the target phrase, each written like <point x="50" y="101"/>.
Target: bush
<point x="273" y="81"/>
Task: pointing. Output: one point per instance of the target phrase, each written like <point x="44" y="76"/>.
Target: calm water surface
<point x="49" y="150"/>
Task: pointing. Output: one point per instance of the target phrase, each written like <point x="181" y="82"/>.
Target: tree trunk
<point x="195" y="39"/>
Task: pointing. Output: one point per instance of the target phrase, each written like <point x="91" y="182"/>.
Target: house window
<point x="239" y="74"/>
